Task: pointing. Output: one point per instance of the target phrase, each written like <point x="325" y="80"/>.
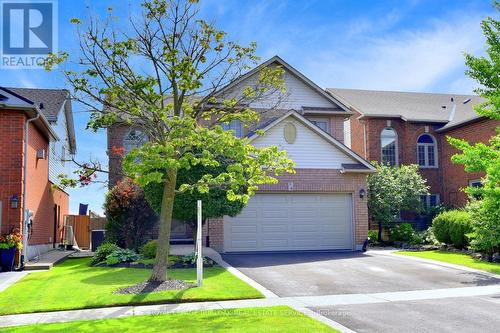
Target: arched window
<point x="134" y="139"/>
<point x="426" y="151"/>
<point x="389" y="144"/>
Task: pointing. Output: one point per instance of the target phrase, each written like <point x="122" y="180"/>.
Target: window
<point x="234" y="125"/>
<point x="426" y="151"/>
<point x="475" y="183"/>
<point x="134" y="139"/>
<point x="321" y="123"/>
<point x="389" y="143"/>
<point x="430" y="201"/>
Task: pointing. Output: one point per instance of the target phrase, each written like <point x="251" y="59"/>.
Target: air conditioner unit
<point x="40" y="154"/>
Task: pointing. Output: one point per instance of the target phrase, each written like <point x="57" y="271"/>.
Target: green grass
<point x="76" y="285"/>
<point x="455" y="258"/>
<point x="272" y="319"/>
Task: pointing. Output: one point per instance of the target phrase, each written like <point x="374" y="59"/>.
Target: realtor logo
<point x="29" y="32"/>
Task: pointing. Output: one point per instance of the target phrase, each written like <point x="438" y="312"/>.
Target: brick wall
<point x="454" y="175"/>
<point x="445" y="180"/>
<point x="41" y="196"/>
<point x="11" y="162"/>
<point x="312" y="180"/>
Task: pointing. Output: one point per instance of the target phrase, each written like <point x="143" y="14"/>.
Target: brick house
<point x="322" y="206"/>
<point x="411" y="128"/>
<point x="37" y="135"/>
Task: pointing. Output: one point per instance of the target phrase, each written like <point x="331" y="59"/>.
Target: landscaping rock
<point x="151" y="287"/>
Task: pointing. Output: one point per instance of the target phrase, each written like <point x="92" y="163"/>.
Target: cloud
<point x="413" y="60"/>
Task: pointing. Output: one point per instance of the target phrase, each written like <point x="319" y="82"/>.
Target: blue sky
<point x="387" y="45"/>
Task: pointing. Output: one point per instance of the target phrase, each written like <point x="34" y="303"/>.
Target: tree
<point x="481" y="157"/>
<point x="129" y="215"/>
<point x="393" y="189"/>
<point x="165" y="77"/>
<point x="215" y="202"/>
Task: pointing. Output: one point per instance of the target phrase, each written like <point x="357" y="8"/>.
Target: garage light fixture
<point x="362" y="193"/>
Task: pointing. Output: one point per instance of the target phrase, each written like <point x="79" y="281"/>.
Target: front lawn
<point x="76" y="285"/>
<point x="455" y="258"/>
<point x="273" y="319"/>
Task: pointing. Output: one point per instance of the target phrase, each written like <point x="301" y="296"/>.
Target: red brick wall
<point x="313" y="180"/>
<point x="357" y="134"/>
<point x="11" y="162"/>
<point x="41" y="196"/>
<point x="455" y="176"/>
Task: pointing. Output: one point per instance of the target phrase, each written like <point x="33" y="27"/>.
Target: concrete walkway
<point x="299" y="303"/>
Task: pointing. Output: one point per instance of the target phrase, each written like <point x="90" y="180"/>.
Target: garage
<point x="287" y="222"/>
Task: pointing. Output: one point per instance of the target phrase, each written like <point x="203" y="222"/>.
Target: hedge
<point x="452" y="227"/>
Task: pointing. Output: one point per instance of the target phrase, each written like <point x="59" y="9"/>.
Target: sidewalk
<point x="302" y="303"/>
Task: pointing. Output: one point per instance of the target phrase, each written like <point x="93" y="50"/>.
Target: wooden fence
<point x="82" y="227"/>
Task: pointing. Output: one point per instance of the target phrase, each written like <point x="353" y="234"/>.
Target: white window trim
<point x="428" y="200"/>
<point x="473" y="181"/>
<point x="426" y="155"/>
<point x="396" y="145"/>
<point x="326" y="120"/>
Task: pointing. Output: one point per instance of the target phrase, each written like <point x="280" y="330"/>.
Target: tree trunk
<point x="163" y="245"/>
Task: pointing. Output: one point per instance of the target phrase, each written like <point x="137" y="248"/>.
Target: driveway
<point x="375" y="273"/>
<point x="311" y="274"/>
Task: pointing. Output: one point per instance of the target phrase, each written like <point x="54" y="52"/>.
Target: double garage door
<point x="287" y="222"/>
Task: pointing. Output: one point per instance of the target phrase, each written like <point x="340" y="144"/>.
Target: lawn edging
<point x="441" y="263"/>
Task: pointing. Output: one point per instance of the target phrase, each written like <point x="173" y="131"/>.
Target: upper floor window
<point x="234" y="125"/>
<point x="389" y="144"/>
<point x="430" y="201"/>
<point x="321" y="123"/>
<point x="426" y="151"/>
<point x="134" y="139"/>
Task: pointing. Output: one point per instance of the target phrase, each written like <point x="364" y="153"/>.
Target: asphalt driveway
<point x="311" y="274"/>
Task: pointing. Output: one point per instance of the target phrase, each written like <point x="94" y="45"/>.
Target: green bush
<point x="452" y="227"/>
<point x="121" y="255"/>
<point x="372" y="235"/>
<point x="148" y="250"/>
<point x="402" y="232"/>
<point x="104" y="250"/>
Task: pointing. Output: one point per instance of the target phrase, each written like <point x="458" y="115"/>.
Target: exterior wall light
<point x="362" y="193"/>
<point x="14" y="201"/>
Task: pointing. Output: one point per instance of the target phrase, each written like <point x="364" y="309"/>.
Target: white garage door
<point x="283" y="222"/>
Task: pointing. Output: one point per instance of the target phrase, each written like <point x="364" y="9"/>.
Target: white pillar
<point x="199" y="247"/>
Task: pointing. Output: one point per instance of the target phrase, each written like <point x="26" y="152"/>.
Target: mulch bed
<point x="151" y="287"/>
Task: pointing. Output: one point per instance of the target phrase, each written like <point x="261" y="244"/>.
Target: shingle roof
<point x="52" y="99"/>
<point x="411" y="106"/>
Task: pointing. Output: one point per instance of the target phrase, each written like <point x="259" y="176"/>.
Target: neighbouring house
<point x="37" y="136"/>
<point x="411" y="128"/>
<point x="320" y="207"/>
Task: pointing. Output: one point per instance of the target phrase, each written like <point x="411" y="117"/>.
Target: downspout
<point x="25" y="171"/>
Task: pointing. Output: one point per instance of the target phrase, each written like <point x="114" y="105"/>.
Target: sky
<point x="383" y="45"/>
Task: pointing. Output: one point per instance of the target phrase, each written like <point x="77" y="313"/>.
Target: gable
<point x="298" y="94"/>
<point x="308" y="151"/>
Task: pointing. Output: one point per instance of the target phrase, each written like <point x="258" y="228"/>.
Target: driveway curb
<point x="392" y="253"/>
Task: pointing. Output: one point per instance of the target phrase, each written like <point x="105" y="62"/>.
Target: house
<point x="411" y="128"/>
<point x="320" y="207"/>
<point x="37" y="136"/>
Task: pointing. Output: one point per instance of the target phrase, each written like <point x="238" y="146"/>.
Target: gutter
<point x="25" y="169"/>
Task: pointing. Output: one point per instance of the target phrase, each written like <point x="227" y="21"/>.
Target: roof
<point x="50" y="102"/>
<point x="13" y="101"/>
<point x="361" y="166"/>
<point x="411" y="106"/>
<point x="277" y="60"/>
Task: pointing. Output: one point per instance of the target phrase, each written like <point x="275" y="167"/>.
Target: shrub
<point x="130" y="218"/>
<point x="485" y="216"/>
<point x="372" y="235"/>
<point x="102" y="252"/>
<point x="452" y="227"/>
<point x="148" y="250"/>
<point x="121" y="255"/>
<point x="402" y="232"/>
